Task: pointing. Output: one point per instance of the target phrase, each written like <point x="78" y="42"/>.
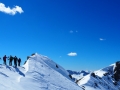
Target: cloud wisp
<point x="72" y="54"/>
<point x="102" y="39"/>
<point x="71" y="31"/>
<point x="60" y="56"/>
<point x="10" y="11"/>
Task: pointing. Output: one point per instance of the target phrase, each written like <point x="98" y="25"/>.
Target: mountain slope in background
<point x="78" y="75"/>
<point x="104" y="79"/>
<point x="39" y="73"/>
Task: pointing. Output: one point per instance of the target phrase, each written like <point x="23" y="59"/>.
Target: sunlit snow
<point x="39" y="73"/>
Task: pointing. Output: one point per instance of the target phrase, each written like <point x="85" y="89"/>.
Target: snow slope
<point x="39" y="73"/>
<point x="100" y="80"/>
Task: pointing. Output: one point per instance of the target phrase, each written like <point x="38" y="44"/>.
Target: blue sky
<point x="89" y="30"/>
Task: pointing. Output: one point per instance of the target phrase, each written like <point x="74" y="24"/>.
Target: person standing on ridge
<point x="4" y="60"/>
<point x="15" y="61"/>
<point x="10" y="60"/>
<point x="19" y="61"/>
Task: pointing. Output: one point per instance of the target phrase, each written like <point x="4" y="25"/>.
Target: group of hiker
<point x="11" y="58"/>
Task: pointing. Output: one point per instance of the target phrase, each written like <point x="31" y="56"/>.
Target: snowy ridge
<point x="100" y="80"/>
<point x="37" y="61"/>
<point x="39" y="73"/>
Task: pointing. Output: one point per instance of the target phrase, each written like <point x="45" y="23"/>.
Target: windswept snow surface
<point x="39" y="73"/>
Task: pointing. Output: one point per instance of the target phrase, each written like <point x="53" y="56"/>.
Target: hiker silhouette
<point x="19" y="61"/>
<point x="15" y="61"/>
<point x="4" y="59"/>
<point x="10" y="60"/>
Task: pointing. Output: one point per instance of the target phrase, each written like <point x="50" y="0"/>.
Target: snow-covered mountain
<point x="78" y="75"/>
<point x="104" y="79"/>
<point x="41" y="73"/>
<point x="38" y="73"/>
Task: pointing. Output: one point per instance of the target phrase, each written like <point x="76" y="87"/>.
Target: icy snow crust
<point x="39" y="73"/>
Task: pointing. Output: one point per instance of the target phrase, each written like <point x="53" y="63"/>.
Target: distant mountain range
<point x="104" y="79"/>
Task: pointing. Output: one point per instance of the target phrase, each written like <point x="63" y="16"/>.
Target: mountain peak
<point x="38" y="73"/>
<point x="107" y="78"/>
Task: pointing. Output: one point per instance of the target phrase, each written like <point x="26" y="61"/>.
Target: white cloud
<point x="10" y="11"/>
<point x="72" y="54"/>
<point x="71" y="31"/>
<point x="101" y="39"/>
